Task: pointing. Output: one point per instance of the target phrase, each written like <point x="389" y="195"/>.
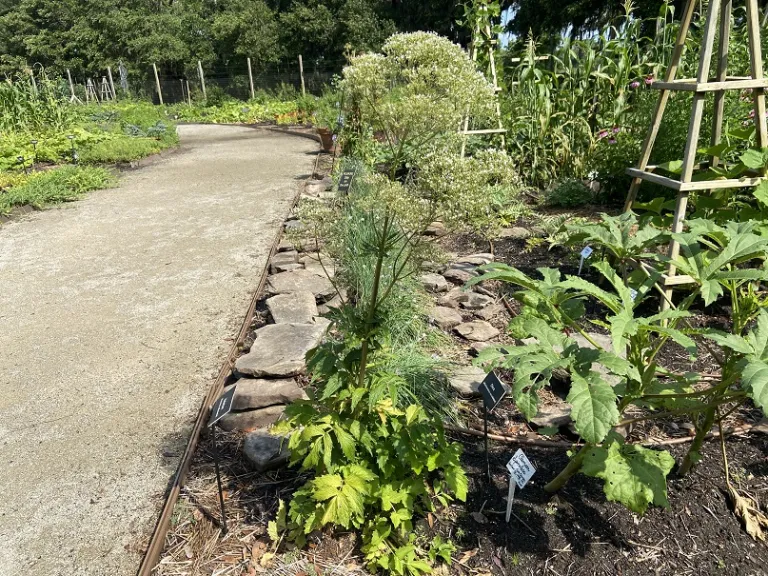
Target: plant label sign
<point x="521" y="468"/>
<point x="346" y="181"/>
<point x="222" y="406"/>
<point x="584" y="254"/>
<point x="493" y="391"/>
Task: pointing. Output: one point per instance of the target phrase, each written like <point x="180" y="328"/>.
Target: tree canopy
<point x="87" y="36"/>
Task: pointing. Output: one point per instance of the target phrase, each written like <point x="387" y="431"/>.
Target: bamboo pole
<point x="157" y="83"/>
<point x="202" y="78"/>
<point x="301" y="73"/>
<point x="250" y="79"/>
<point x="111" y="83"/>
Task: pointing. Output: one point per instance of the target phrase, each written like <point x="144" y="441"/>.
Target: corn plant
<point x="26" y="107"/>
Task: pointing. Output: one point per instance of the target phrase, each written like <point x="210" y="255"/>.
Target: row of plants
<point x="371" y="436"/>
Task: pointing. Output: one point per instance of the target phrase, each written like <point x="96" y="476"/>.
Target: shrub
<point x="120" y="150"/>
<point x="54" y="186"/>
<point x="570" y="193"/>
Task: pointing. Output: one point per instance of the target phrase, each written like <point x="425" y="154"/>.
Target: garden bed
<point x="575" y="531"/>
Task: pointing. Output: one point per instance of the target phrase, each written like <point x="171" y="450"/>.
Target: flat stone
<point x="308" y="245"/>
<point x="265" y="451"/>
<point x="251" y="419"/>
<point x="453" y="297"/>
<point x="489" y="311"/>
<point x="285" y="257"/>
<point x="434" y="283"/>
<point x="320" y="264"/>
<point x="327" y="195"/>
<point x="477" y="259"/>
<point x="444" y="317"/>
<point x="459" y="273"/>
<point x="515" y="233"/>
<point x="301" y="281"/>
<point x="466" y="380"/>
<point x="553" y="416"/>
<point x="477" y="331"/>
<point x="294" y="307"/>
<point x="477" y="347"/>
<point x="314" y="187"/>
<point x="436" y="229"/>
<point x="475" y="301"/>
<point x="285" y="246"/>
<point x="279" y="350"/>
<point x="254" y="393"/>
<point x="434" y="267"/>
<point x="294" y="226"/>
<point x="332" y="304"/>
<point x="290" y="267"/>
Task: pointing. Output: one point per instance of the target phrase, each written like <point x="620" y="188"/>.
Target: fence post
<point x="157" y="83"/>
<point x="189" y="96"/>
<point x="111" y="83"/>
<point x="301" y="73"/>
<point x="250" y="78"/>
<point x="202" y="78"/>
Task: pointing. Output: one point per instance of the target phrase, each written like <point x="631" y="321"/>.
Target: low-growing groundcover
<point x="49" y="187"/>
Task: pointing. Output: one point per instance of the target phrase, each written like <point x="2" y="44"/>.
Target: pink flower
<point x="616" y="129"/>
<point x="649" y="80"/>
<point x="602" y="134"/>
<point x="612" y="141"/>
<point x="752" y="113"/>
<point x="635" y="84"/>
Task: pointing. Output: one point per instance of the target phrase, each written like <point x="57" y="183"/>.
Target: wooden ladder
<point x="718" y="16"/>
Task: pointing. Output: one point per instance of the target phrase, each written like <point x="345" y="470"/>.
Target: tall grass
<point x="33" y="107"/>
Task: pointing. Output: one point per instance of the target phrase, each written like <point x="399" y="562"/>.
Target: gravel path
<point x="115" y="314"/>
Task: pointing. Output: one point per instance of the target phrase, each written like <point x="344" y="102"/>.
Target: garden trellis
<point x="483" y="37"/>
<point x="718" y="16"/>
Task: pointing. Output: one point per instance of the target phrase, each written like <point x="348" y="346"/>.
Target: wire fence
<point x="213" y="87"/>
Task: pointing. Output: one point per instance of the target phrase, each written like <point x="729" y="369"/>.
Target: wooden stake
<point x="111" y="83"/>
<point x="301" y="73"/>
<point x="692" y="144"/>
<point x="756" y="65"/>
<point x="250" y="79"/>
<point x="202" y="78"/>
<point x="189" y="96"/>
<point x="73" y="97"/>
<point x="34" y="82"/>
<point x="181" y="81"/>
<point x="157" y="84"/>
<point x="661" y="105"/>
<point x="722" y="71"/>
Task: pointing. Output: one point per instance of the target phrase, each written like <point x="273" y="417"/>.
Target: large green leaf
<point x="754" y="380"/>
<point x="633" y="475"/>
<point x="594" y="410"/>
<point x="758" y="338"/>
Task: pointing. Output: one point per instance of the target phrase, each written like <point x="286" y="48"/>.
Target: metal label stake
<point x="493" y="390"/>
<point x="220" y="408"/>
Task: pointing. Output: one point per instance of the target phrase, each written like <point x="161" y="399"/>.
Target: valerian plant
<point x="606" y="381"/>
<point x="413" y="96"/>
